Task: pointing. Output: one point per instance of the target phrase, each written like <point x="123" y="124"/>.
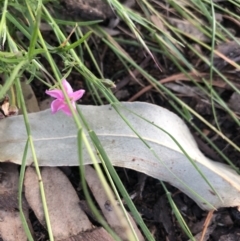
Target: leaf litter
<point x="11" y="228"/>
<point x="111" y="211"/>
<point x="219" y="62"/>
<point x="66" y="216"/>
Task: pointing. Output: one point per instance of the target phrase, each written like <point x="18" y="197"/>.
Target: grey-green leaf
<point x="56" y="145"/>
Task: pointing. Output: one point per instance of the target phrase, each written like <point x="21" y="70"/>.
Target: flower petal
<point x="67" y="87"/>
<point x="55" y="93"/>
<point x="57" y="105"/>
<point x="77" y="95"/>
<point x="60" y="103"/>
<point x="63" y="106"/>
<point x="67" y="110"/>
<point x="73" y="105"/>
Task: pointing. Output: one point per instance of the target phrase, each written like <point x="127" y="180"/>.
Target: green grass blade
<point x="20" y="189"/>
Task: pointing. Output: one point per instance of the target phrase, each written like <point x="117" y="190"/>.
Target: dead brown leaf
<point x="208" y="232"/>
<point x="226" y="53"/>
<point x="11" y="228"/>
<point x="234" y="102"/>
<point x="189" y="28"/>
<point x="162" y="214"/>
<point x="45" y="104"/>
<point x="66" y="217"/>
<point x="111" y="211"/>
<point x="92" y="235"/>
<point x="30" y="98"/>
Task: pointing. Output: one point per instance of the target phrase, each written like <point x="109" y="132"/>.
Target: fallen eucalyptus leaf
<point x="111" y="211"/>
<point x="92" y="235"/>
<point x="56" y="145"/>
<point x="30" y="98"/>
<point x="66" y="217"/>
<point x="11" y="227"/>
<point x="234" y="102"/>
<point x="230" y="50"/>
<point x="189" y="28"/>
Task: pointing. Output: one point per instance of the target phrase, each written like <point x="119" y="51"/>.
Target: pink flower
<point x="60" y="103"/>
